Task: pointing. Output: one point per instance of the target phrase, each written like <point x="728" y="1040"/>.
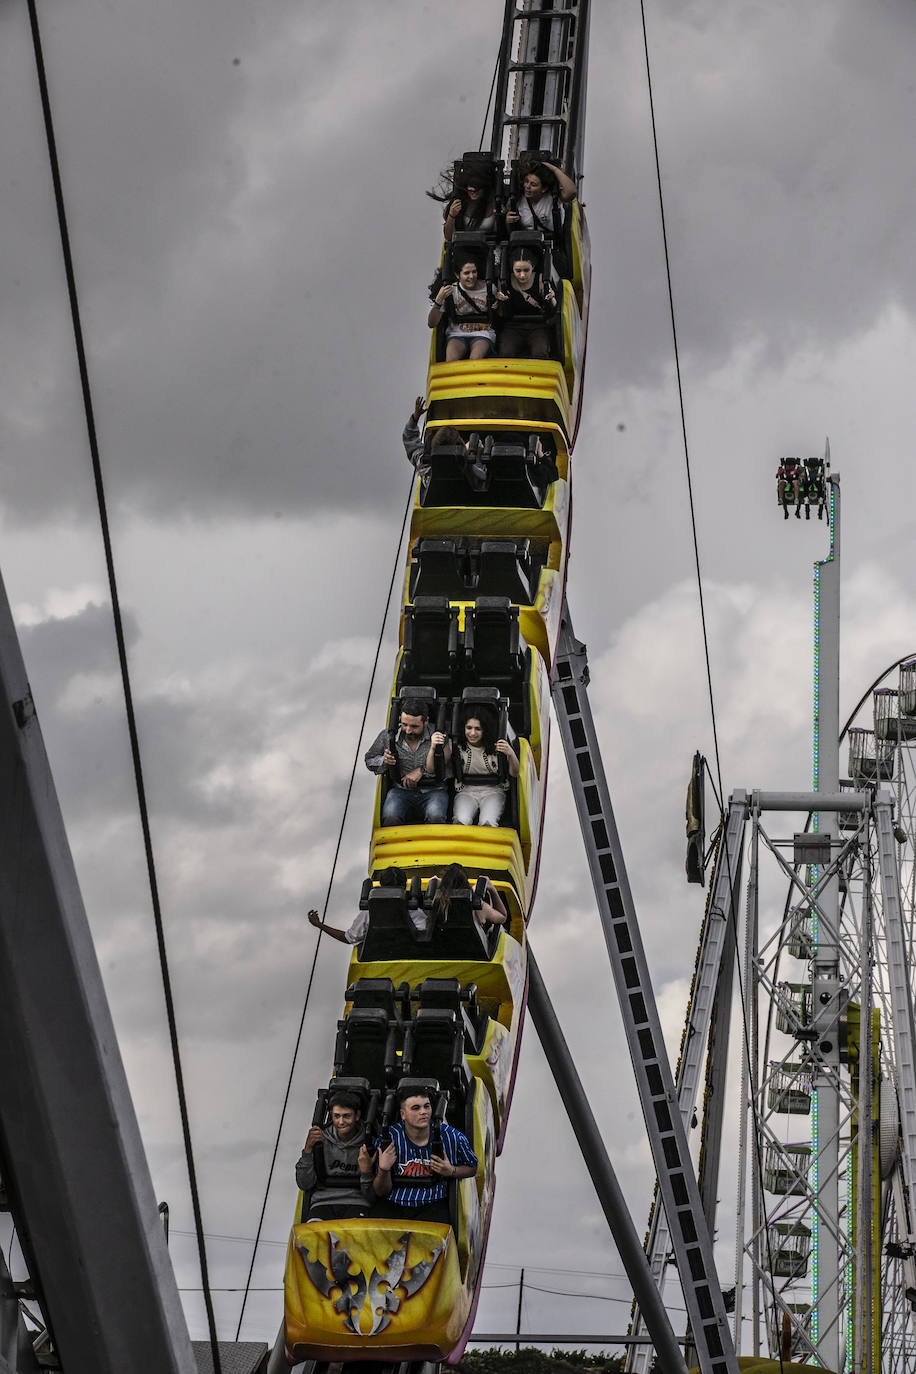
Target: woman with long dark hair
<point x="479" y="802"/>
<point x="526" y="310"/>
<point x="493" y="911"/>
<point x="466" y="307"/>
<point x="469" y="207"/>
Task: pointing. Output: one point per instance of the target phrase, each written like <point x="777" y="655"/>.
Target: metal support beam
<point x="610" y="1195"/>
<point x="16" y="1353"/>
<point x="828" y="1320"/>
<point x="70" y="1149"/>
<point x="664" y="1127"/>
<point x="716" y="949"/>
<point x="898" y="975"/>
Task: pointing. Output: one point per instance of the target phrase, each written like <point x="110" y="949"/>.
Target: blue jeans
<point x="410" y="806"/>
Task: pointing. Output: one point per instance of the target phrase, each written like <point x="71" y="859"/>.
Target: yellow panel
<point x="529" y="809"/>
<point x="534" y="389"/>
<point x="499" y="522"/>
<point x="581" y="255"/>
<point x="539" y="696"/>
<point x="426" y="1311"/>
<point x="427" y="849"/>
<point x="500" y="981"/>
<point x="493" y="1066"/>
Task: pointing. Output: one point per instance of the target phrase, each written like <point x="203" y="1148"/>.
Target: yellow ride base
<point x="427" y="849"/>
<point x="357" y="1287"/>
<point x="531" y="389"/>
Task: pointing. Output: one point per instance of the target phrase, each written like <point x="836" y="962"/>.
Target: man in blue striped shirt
<point x="411" y="1180"/>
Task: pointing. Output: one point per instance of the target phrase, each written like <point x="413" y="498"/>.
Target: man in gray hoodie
<point x="338" y="1186"/>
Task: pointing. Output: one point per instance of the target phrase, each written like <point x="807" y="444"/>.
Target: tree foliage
<point x="531" y="1360"/>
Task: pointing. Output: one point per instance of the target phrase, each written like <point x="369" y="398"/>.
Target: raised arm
<point x="566" y="184"/>
<point x="438" y="305"/>
<point x="387" y="1159"/>
<point x="334" y="931"/>
<point x="451" y="215"/>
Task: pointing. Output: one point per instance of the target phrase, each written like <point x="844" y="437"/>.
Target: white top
<point x="478" y="295"/>
<point x="477" y="763"/>
<point x="543" y="209"/>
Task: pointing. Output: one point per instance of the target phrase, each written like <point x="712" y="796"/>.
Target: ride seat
<point x="432" y="650"/>
<point x="391" y="934"/>
<point x="505" y="570"/>
<point x="366" y="1046"/>
<point x="434" y="1046"/>
<point x="461" y="936"/>
<point x="380" y="993"/>
<point x="447" y="994"/>
<point x="440" y="569"/>
<point x="497" y="656"/>
<point x="512" y="477"/>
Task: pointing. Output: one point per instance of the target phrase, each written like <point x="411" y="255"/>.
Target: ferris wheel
<point x="824" y="1256"/>
<point x="824" y="1266"/>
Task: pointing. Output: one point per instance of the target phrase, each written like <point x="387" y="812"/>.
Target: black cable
<point x="696" y="552"/>
<point x="327" y="898"/>
<point x="489" y="103"/>
<point x="122" y="659"/>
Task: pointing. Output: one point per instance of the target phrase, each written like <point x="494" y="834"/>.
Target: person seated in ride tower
<point x="480" y="798"/>
<point x="411" y="1180"/>
<point x="419" y="455"/>
<point x="547" y="191"/>
<point x="346" y="1152"/>
<point x="418" y="797"/>
<point x="356" y="931"/>
<point x="492" y="912"/>
<point x="788" y="486"/>
<point x="813" y="488"/>
<point x="525" y="310"/>
<point x="469" y="331"/>
<point x="471" y="209"/>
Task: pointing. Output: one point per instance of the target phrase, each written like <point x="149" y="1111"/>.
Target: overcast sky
<point x="252" y="246"/>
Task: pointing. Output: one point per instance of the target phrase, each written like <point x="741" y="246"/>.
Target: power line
<point x="327" y="898"/>
<point x="732" y="914"/>
<point x="122" y="659"/>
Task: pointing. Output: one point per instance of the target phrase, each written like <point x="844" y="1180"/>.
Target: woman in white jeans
<point x="479" y="803"/>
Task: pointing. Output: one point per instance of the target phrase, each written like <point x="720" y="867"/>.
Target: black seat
<point x="432" y="650"/>
<point x="447" y="483"/>
<point x="461" y="936"/>
<point x="366" y="1047"/>
<point x="513" y="471"/>
<point x="437" y="712"/>
<point x="434" y="1047"/>
<point x="489" y="701"/>
<point x="497" y="656"/>
<point x="560" y="242"/>
<point x="391" y="934"/>
<point x="440" y="569"/>
<point x="505" y="570"/>
<point x="369" y="1107"/>
<point x="380" y="993"/>
<point x="492" y="706"/>
<point x="448" y="994"/>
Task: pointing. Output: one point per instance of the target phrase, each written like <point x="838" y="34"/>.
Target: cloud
<point x="252" y="246"/>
